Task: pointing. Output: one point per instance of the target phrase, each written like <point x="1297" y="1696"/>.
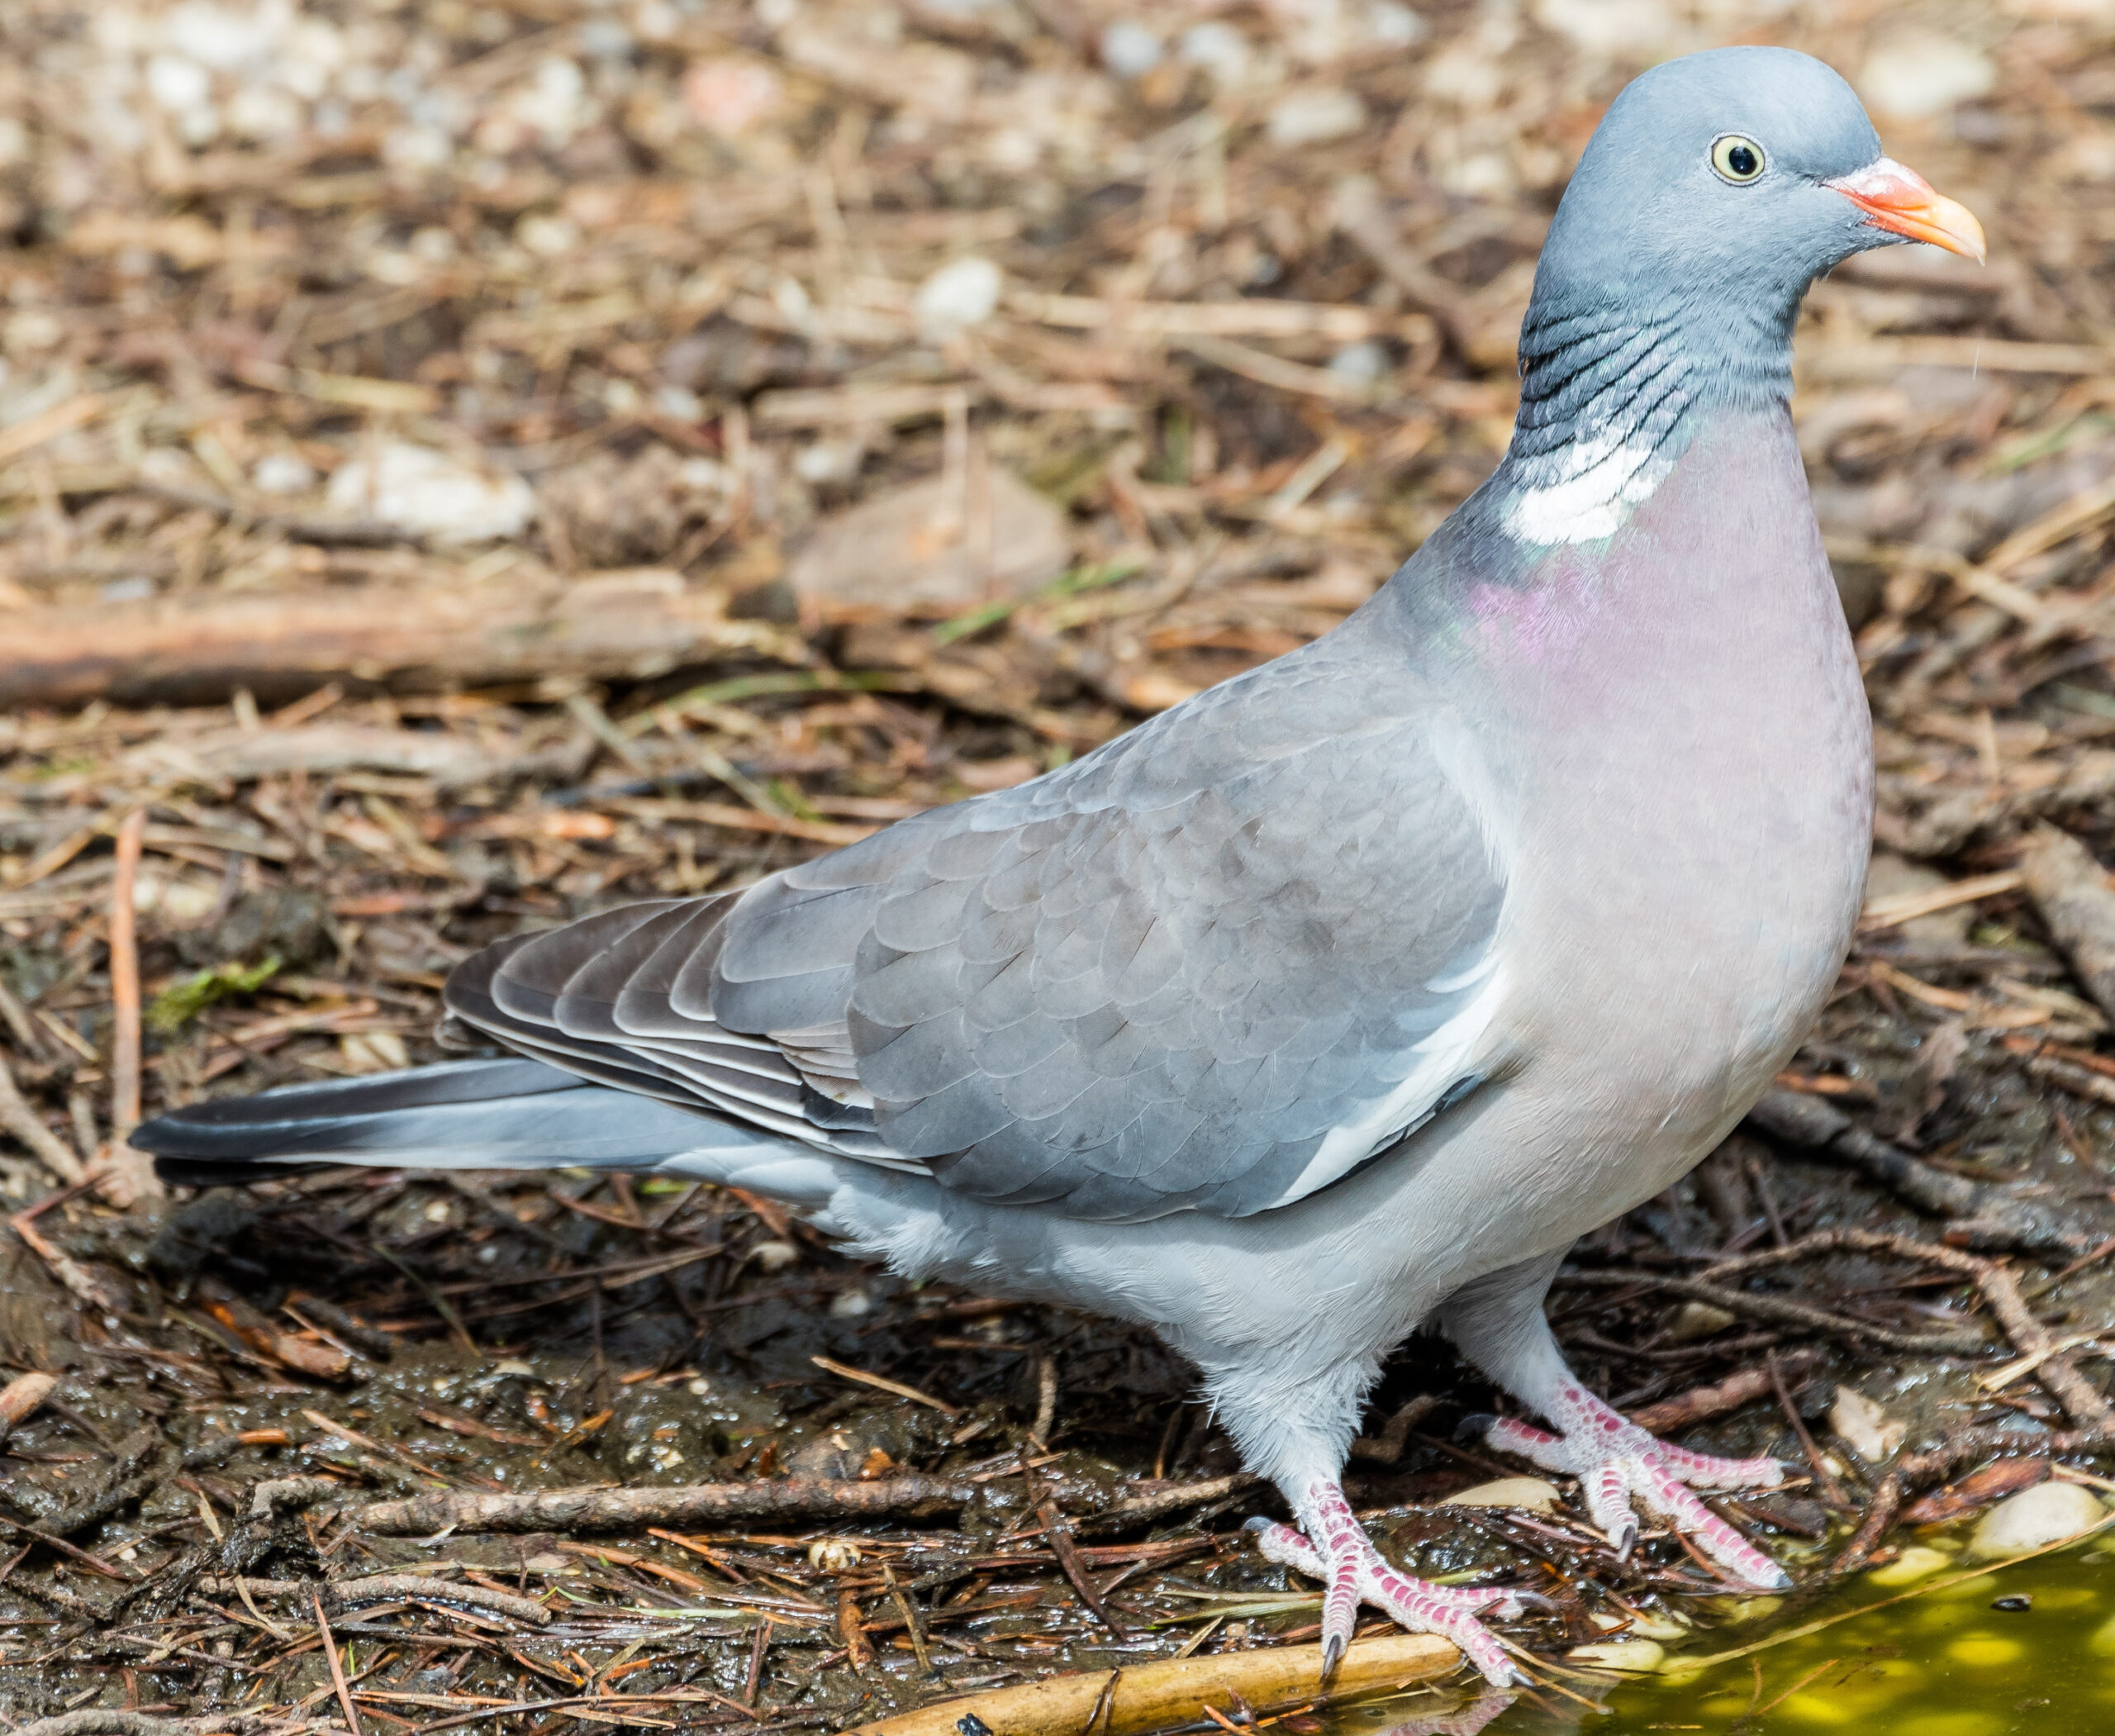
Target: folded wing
<point x="1202" y="969"/>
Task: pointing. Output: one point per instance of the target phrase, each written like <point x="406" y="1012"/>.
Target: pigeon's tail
<point x="471" y="1114"/>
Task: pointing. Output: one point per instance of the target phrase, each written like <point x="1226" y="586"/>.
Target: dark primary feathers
<point x="1156" y="979"/>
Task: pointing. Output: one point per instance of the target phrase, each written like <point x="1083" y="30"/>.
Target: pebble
<point x="832" y="1554"/>
<point x="728" y="96"/>
<point x="1865" y="1427"/>
<point x="960" y="293"/>
<point x="282" y="472"/>
<point x="1529" y="1494"/>
<point x="1315" y="117"/>
<point x="427" y="493"/>
<point x="2045" y="1514"/>
<point x="1219" y="48"/>
<point x="1365" y="362"/>
<point x="774" y="1256"/>
<point x="1610" y="26"/>
<point x="923" y="546"/>
<point x="1696" y="1321"/>
<point x="1129" y="50"/>
<point x="1917" y="72"/>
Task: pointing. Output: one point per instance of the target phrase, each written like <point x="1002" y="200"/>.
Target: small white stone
<point x="959" y="294"/>
<point x="1529" y="1494"/>
<point x="1315" y="117"/>
<point x="728" y="96"/>
<point x="774" y="1256"/>
<point x="1634" y="1657"/>
<point x="547" y="235"/>
<point x="1219" y="48"/>
<point x="178" y="83"/>
<point x="264" y="113"/>
<point x="222" y="37"/>
<point x="428" y="493"/>
<point x="1695" y="1322"/>
<point x="699" y="1388"/>
<point x="2045" y="1514"/>
<point x="282" y="472"/>
<point x="848" y="1304"/>
<point x="1365" y="362"/>
<point x="1389" y="25"/>
<point x="1867" y="1430"/>
<point x="1609" y="26"/>
<point x="1919" y="72"/>
<point x="1129" y="50"/>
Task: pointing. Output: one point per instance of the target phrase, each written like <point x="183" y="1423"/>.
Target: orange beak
<point x="1905" y="203"/>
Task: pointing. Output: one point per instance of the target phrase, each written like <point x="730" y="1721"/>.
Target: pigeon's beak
<point x="1905" y="203"/>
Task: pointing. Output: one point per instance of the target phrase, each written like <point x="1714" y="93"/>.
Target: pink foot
<point x="1617" y="1462"/>
<point x="1337" y="1551"/>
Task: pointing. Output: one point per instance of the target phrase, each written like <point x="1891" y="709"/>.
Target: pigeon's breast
<point x="1680" y="723"/>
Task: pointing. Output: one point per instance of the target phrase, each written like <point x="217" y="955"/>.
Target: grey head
<point x="1717" y="187"/>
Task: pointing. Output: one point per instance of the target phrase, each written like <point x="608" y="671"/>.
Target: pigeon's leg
<point x="1335" y="1549"/>
<point x="1498" y="1323"/>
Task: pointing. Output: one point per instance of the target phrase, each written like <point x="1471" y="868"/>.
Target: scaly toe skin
<point x="1620" y="1465"/>
<point x="1336" y="1550"/>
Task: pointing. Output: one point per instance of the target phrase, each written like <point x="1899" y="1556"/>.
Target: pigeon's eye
<point x="1736" y="158"/>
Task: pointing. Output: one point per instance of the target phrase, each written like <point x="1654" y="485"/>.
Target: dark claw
<point x="1473" y="1429"/>
<point x="1532" y="1600"/>
<point x="1257" y="1524"/>
<point x="1332" y="1654"/>
<point x="1625" y="1541"/>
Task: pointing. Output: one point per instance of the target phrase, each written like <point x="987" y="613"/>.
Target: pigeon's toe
<point x="1355" y="1573"/>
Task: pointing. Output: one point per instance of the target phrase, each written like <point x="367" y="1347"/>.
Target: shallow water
<point x="1946" y="1661"/>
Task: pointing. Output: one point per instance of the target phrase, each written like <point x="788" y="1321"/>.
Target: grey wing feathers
<point x="1214" y="966"/>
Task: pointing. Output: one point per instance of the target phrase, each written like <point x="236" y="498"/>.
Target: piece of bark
<point x="197" y="648"/>
<point x="1700" y="1404"/>
<point x="386" y="1588"/>
<point x="2000" y="1477"/>
<point x="1176" y="1691"/>
<point x="319" y="749"/>
<point x="913" y="1496"/>
<point x="2071" y="894"/>
<point x="1979" y="1216"/>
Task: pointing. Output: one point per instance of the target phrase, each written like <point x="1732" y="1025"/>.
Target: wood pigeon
<point x="1337" y="1001"/>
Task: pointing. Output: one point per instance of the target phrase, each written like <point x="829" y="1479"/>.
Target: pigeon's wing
<point x="594" y="997"/>
<point x="1216" y="965"/>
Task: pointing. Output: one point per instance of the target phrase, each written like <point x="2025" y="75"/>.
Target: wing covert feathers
<point x="1203" y="967"/>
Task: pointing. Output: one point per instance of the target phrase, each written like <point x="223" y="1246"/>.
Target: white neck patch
<point x="1591" y="485"/>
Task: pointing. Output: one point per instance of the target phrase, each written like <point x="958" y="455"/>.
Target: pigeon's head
<point x="1719" y="185"/>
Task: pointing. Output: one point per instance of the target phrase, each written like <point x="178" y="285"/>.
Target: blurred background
<point x="463" y="465"/>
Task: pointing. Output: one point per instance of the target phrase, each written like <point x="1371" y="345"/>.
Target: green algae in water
<point x="1943" y="1662"/>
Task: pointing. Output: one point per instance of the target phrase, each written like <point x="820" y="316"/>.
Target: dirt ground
<point x="464" y="467"/>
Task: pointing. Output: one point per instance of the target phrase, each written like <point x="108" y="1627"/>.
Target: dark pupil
<point x="1741" y="160"/>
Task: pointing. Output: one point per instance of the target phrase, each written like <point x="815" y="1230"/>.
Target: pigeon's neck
<point x="1609" y="399"/>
